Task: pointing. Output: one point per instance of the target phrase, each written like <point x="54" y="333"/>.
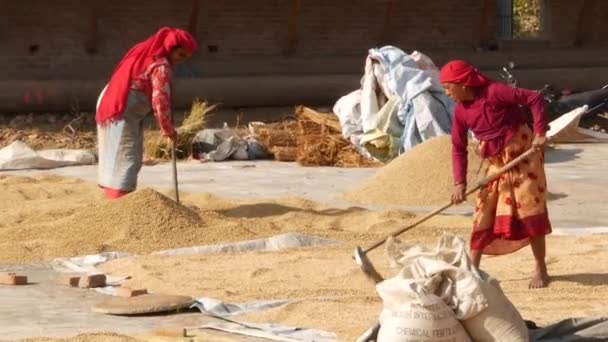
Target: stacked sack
<point x="438" y="296"/>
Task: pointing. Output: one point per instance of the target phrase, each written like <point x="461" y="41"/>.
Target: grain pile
<point x="140" y="222"/>
<point x="320" y="142"/>
<point x="46" y="218"/>
<point x="422" y="176"/>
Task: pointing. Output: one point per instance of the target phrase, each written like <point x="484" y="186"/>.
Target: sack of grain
<point x="411" y="314"/>
<point x="475" y="298"/>
<point x="500" y="321"/>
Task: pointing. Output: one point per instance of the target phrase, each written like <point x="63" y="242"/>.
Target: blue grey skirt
<point x="120" y="145"/>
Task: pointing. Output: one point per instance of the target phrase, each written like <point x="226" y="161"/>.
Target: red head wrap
<point x="134" y="63"/>
<point x="461" y="72"/>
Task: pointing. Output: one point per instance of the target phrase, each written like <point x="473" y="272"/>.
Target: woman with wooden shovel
<point x="511" y="211"/>
<point x="140" y="84"/>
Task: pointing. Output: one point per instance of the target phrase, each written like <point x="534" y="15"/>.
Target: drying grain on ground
<point x="420" y="177"/>
<point x="330" y="292"/>
<point x="100" y="337"/>
<point x="327" y="288"/>
<point x="43" y="219"/>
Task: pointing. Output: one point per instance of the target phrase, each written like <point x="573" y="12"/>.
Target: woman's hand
<point x="171" y="136"/>
<point x="539" y="142"/>
<point x="458" y="194"/>
<point x="149" y="161"/>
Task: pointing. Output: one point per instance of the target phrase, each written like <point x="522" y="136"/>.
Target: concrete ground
<point x="44" y="308"/>
<point x="576" y="176"/>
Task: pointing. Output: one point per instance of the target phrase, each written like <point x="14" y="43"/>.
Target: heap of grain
<point x="422" y="176"/>
<point x="53" y="217"/>
<point x="140" y="222"/>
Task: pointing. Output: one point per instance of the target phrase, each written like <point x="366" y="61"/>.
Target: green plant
<point x="526" y="18"/>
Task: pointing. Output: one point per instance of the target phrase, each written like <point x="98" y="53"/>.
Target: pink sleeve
<point x="534" y="100"/>
<point x="161" y="97"/>
<point x="459" y="147"/>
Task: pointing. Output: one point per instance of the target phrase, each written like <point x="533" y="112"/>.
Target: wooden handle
<point x="174" y="162"/>
<point x="481" y="183"/>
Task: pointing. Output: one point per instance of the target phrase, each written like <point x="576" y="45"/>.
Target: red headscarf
<point x="463" y="73"/>
<point x="134" y="63"/>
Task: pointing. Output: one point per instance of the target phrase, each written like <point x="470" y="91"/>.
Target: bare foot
<point x="539" y="279"/>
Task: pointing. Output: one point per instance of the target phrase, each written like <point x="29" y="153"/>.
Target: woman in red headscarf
<point x="511" y="211"/>
<point x="140" y="84"/>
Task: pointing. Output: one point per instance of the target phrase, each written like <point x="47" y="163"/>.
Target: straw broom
<point x="156" y="145"/>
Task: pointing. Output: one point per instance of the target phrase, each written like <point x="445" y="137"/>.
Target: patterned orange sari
<point x="513" y="208"/>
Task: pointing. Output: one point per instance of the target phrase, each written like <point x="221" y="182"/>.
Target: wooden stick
<point x="174" y="162"/>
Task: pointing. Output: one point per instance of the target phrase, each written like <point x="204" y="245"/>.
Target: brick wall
<point x="246" y="33"/>
<point x="41" y="39"/>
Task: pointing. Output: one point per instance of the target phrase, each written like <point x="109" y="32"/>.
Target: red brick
<point x="92" y="281"/>
<point x="13" y="279"/>
<point x="71" y="280"/>
<point x="129" y="292"/>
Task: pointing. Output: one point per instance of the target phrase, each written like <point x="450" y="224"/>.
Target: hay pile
<point x="423" y="176"/>
<point x="320" y="142"/>
<point x="156" y="145"/>
<point x="279" y="139"/>
<point x="313" y="139"/>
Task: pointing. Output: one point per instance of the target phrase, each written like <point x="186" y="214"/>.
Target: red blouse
<point x="156" y="83"/>
<point x="493" y="116"/>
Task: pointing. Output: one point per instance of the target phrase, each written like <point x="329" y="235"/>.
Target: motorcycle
<point x="561" y="102"/>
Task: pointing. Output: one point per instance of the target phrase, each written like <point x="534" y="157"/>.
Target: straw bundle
<point x="286" y="154"/>
<point x="350" y="157"/>
<point x="320" y="150"/>
<point x="320" y="142"/>
<point x="281" y="134"/>
<point x="156" y="145"/>
<point x="313" y="122"/>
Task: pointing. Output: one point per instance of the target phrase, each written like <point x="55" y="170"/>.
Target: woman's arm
<point x="459" y="149"/>
<point x="459" y="156"/>
<point x="534" y="100"/>
<point x="161" y="98"/>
